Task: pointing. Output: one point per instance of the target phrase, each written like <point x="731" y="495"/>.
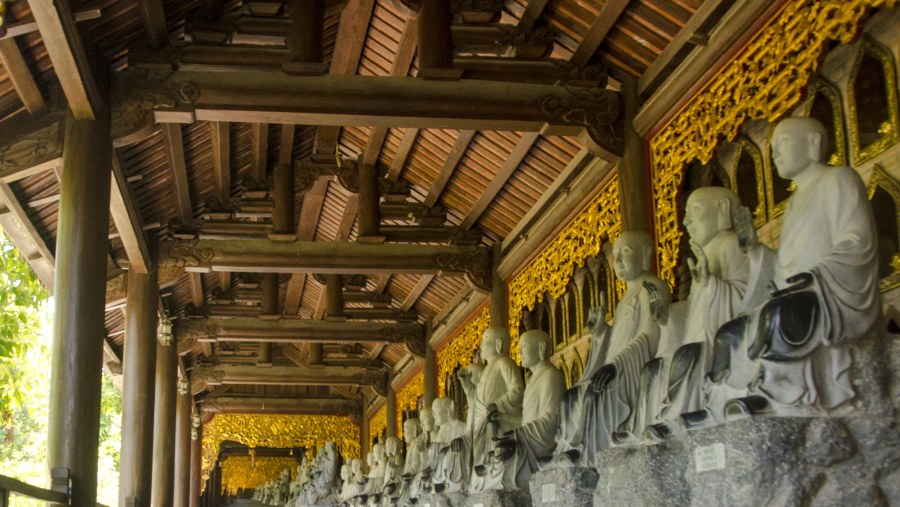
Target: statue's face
<point x="441" y="413"/>
<point x="791" y="149"/>
<point x="530" y="351"/>
<point x="427" y="419"/>
<point x="488" y="347"/>
<point x="370" y="458"/>
<point x="391" y="445"/>
<point x="357" y="466"/>
<point x="628" y="263"/>
<point x="345" y="472"/>
<point x="410" y="430"/>
<point x="378" y="450"/>
<point x="701" y="217"/>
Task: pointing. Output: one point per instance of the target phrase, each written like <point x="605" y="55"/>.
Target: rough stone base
<point x="442" y="500"/>
<point x="760" y="461"/>
<point x="563" y="486"/>
<point x="499" y="499"/>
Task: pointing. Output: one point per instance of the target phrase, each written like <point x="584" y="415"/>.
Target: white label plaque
<point x="710" y="457"/>
<point x="548" y="493"/>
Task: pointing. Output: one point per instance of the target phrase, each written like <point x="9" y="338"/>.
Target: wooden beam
<point x="26" y="238"/>
<point x="220" y="135"/>
<point x="456" y="154"/>
<point x="499" y="180"/>
<point x="67" y="53"/>
<point x="259" y="151"/>
<point x="262" y="405"/>
<point x="313" y="200"/>
<point x="127" y="217"/>
<point x="532" y="14"/>
<point x="154" y="17"/>
<point x="21" y="77"/>
<point x="406" y="144"/>
<point x="196" y="282"/>
<point x="254" y="96"/>
<point x="174" y="146"/>
<point x="31" y="146"/>
<point x="286" y="147"/>
<point x="288" y="375"/>
<point x="598" y="31"/>
<point x="24" y="27"/>
<point x="417" y="291"/>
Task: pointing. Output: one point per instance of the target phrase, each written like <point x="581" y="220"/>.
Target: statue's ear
<point x="724" y="207"/>
<point x="814" y="140"/>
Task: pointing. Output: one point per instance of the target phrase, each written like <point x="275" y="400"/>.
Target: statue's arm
<point x="511" y="402"/>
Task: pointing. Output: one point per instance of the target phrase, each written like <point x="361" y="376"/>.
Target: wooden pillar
<point x="364" y="430"/>
<point x="183" y="446"/>
<point x="78" y="324"/>
<point x="634" y="176"/>
<point x="268" y="310"/>
<point x="391" y="410"/>
<point x="163" y="490"/>
<point x="499" y="309"/>
<point x="334" y="298"/>
<point x="215" y="485"/>
<point x="283" y="195"/>
<point x="315" y="353"/>
<point x="429" y="369"/>
<point x="196" y="482"/>
<point x="435" y="41"/>
<point x="305" y="37"/>
<point x="369" y="213"/>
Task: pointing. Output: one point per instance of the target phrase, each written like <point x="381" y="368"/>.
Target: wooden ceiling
<point x="474" y="183"/>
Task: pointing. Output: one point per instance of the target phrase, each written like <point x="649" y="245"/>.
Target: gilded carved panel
<point x="245" y="472"/>
<point x="377" y="424"/>
<point x="408" y="396"/>
<point x="459" y="350"/>
<point x="763" y="81"/>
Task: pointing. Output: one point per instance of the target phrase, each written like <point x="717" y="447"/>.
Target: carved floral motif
<point x="377" y="424"/>
<point x="763" y="81"/>
<point x="459" y="350"/>
<point x="407" y="397"/>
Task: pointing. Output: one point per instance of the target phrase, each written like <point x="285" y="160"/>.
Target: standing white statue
<point x="605" y="400"/>
<point x="346" y="484"/>
<point x="498" y="392"/>
<point x="451" y="469"/>
<point x="826" y="278"/>
<point x="421" y="482"/>
<point x="518" y="451"/>
<point x="412" y="435"/>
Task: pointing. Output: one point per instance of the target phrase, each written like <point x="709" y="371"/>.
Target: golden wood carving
<point x="243" y="472"/>
<point x="408" y="396"/>
<point x="763" y="81"/>
<point x="551" y="271"/>
<point x="280" y="431"/>
<point x="880" y="178"/>
<point x="459" y="350"/>
<point x="377" y="424"/>
<point x="890" y="129"/>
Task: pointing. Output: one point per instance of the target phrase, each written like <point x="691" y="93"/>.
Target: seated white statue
<point x="498" y="392"/>
<point x="606" y="398"/>
<point x="413" y="463"/>
<point x="421" y="482"/>
<point x="451" y="470"/>
<point x="517" y="453"/>
<point x="825" y="277"/>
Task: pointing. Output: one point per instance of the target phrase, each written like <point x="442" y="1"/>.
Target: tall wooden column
<point x="391" y="410"/>
<point x="164" y="426"/>
<point x="138" y="364"/>
<point x="305" y="37"/>
<point x="499" y="302"/>
<point x="195" y="488"/>
<point x="78" y="324"/>
<point x="283" y="195"/>
<point x="268" y="311"/>
<point x="429" y="370"/>
<point x="435" y="42"/>
<point x="183" y="445"/>
<point x="364" y="430"/>
<point x="634" y="176"/>
<point x="369" y="212"/>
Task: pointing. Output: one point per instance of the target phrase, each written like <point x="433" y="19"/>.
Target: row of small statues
<point x="761" y="332"/>
<point x="314" y="483"/>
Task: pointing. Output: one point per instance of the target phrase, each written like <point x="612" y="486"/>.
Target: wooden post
<point x="305" y="37"/>
<point x="269" y="311"/>
<point x="194" y="492"/>
<point x="334" y="298"/>
<point x="429" y="369"/>
<point x="138" y="363"/>
<point x="78" y="324"/>
<point x="284" y="194"/>
<point x="364" y="430"/>
<point x="164" y="426"/>
<point x="435" y="41"/>
<point x="315" y="353"/>
<point x="369" y="215"/>
<point x="499" y="301"/>
<point x="634" y="176"/>
<point x="391" y="409"/>
<point x="183" y="445"/>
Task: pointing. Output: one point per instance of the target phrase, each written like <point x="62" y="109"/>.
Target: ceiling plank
<point x="67" y="53"/>
<point x="21" y="77"/>
<point x="598" y="31"/>
<point x="499" y="180"/>
<point x="220" y="135"/>
<point x="127" y="218"/>
<point x="453" y="158"/>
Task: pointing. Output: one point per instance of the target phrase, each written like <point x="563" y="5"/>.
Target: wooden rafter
<point x="154" y="17"/>
<point x="259" y="151"/>
<point x="21" y="77"/>
<point x="598" y="31"/>
<point x="417" y="290"/>
<point x="453" y="158"/>
<point x="127" y="218"/>
<point x="27" y="239"/>
<point x="220" y="134"/>
<point x="406" y="144"/>
<point x="532" y="14"/>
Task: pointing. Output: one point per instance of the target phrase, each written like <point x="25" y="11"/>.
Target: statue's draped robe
<point x="633" y="339"/>
<point x="540" y="417"/>
<point x="502" y="385"/>
<point x="721" y="300"/>
<point x="452" y="468"/>
<point x="829" y="231"/>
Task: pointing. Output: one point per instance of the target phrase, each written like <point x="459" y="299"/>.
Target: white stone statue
<point x="377" y="465"/>
<point x="605" y="399"/>
<point x="415" y="444"/>
<point x="826" y="295"/>
<point x="391" y="486"/>
<point x="518" y="452"/>
<point x="346" y="483"/>
<point x="498" y="392"/>
<point x="451" y="471"/>
<point x="421" y="482"/>
<point x="357" y="479"/>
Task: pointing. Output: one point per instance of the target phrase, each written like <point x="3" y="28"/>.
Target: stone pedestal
<point x="442" y="500"/>
<point x="759" y="461"/>
<point x="563" y="486"/>
<point x="499" y="499"/>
